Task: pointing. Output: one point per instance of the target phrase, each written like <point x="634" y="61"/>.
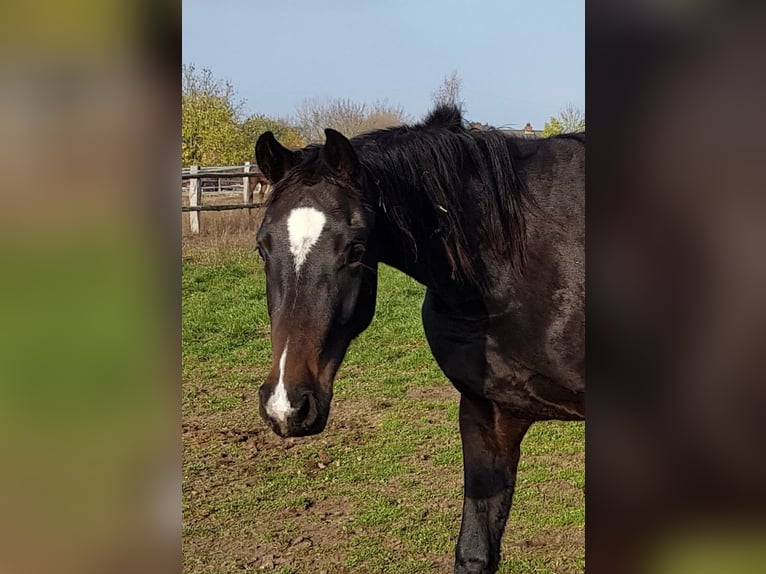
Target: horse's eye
<point x="354" y="253"/>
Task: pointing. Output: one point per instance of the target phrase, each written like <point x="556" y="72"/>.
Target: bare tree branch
<point x="345" y="115"/>
<point x="572" y="119"/>
<point x="448" y="92"/>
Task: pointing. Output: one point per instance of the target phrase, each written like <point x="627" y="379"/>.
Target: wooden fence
<point x="196" y="176"/>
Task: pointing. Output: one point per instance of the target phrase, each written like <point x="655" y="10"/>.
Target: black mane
<point x="446" y="116"/>
<point x="430" y="177"/>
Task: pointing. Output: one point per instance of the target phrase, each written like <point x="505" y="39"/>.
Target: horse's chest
<point x="457" y="342"/>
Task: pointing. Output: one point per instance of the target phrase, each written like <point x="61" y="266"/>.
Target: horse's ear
<point x="338" y="155"/>
<point x="273" y="159"/>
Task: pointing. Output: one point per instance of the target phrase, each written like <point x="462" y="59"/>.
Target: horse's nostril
<point x="303" y="411"/>
<point x="307" y="412"/>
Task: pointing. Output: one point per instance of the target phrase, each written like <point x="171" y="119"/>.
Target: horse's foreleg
<point x="491" y="447"/>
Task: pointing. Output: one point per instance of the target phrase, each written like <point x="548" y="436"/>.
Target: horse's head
<point x="320" y="276"/>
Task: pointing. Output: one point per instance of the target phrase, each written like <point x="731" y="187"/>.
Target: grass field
<point x="381" y="489"/>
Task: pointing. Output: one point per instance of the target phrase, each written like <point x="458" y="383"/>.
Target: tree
<point x="210" y="120"/>
<point x="552" y="127"/>
<point x="448" y="92"/>
<point x="570" y="119"/>
<point x="258" y="124"/>
<point x="344" y="115"/>
<point x="382" y="115"/>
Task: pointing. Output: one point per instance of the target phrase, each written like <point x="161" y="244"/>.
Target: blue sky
<point x="518" y="61"/>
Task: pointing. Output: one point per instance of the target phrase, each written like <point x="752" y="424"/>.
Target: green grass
<point x="381" y="489"/>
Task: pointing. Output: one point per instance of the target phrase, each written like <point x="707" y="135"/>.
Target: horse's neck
<point x="395" y="250"/>
<point x="426" y="262"/>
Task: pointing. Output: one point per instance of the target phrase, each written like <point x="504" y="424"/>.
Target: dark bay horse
<point x="492" y="225"/>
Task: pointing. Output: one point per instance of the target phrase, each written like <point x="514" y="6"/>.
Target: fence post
<point x="195" y="199"/>
<point x="247" y="193"/>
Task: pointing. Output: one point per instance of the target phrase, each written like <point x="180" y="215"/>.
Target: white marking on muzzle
<point x="278" y="406"/>
<point x="304" y="226"/>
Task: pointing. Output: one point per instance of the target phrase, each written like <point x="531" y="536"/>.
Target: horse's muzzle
<point x="307" y="415"/>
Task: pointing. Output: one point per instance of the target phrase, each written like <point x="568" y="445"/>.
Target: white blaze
<point x="304" y="226"/>
<point x="278" y="405"/>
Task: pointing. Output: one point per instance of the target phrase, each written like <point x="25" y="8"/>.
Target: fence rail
<point x="219" y="175"/>
<point x="194" y="174"/>
<point x="189" y="208"/>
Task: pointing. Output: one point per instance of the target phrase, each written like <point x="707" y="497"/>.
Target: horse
<point x="258" y="183"/>
<point x="492" y="225"/>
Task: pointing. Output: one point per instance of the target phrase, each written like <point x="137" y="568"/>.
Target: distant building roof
<point x="523" y="133"/>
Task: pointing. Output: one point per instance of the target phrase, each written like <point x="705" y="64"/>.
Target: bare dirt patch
<point x="318" y="530"/>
